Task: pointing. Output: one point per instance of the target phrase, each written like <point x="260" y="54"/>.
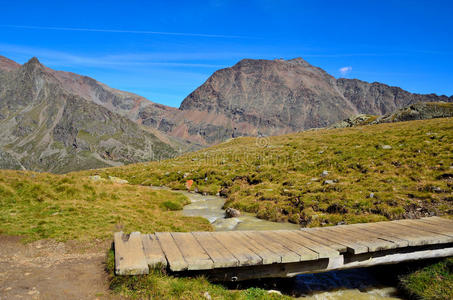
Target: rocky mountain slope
<point x="252" y="98"/>
<point x="271" y="97"/>
<point x="417" y="111"/>
<point x="46" y="127"/>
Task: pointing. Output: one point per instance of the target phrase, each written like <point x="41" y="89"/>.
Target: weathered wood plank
<point x="153" y="252"/>
<point x="129" y="256"/>
<point x="221" y="257"/>
<point x="305" y="232"/>
<point x="425" y="238"/>
<point x="174" y="257"/>
<point x="304" y="252"/>
<point x="244" y="255"/>
<point x="322" y="250"/>
<point x="391" y="231"/>
<point x="370" y="228"/>
<point x="373" y="243"/>
<point x="286" y="254"/>
<point x="414" y="225"/>
<point x="355" y="248"/>
<point x="420" y="231"/>
<point x="448" y="223"/>
<point x="195" y="256"/>
<point x="267" y="255"/>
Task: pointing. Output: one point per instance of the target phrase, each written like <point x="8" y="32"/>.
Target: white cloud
<point x="345" y="70"/>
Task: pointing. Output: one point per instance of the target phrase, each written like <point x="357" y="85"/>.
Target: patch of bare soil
<point x="48" y="269"/>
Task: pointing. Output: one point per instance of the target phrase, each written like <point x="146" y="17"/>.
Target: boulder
<point x="232" y="213"/>
<point x="118" y="180"/>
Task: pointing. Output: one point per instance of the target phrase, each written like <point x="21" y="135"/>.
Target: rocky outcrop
<point x="44" y="127"/>
<point x="8" y="161"/>
<point x="417" y="111"/>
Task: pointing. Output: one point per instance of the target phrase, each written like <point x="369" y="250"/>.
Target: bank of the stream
<point x="382" y="282"/>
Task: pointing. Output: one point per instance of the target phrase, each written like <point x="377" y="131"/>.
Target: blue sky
<point x="163" y="50"/>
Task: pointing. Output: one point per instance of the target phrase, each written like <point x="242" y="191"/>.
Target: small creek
<point x="361" y="284"/>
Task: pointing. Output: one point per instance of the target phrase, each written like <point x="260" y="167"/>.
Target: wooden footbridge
<point x="241" y="255"/>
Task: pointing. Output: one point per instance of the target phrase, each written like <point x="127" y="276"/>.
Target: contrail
<point x="126" y="31"/>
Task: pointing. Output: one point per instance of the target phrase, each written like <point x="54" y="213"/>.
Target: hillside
<point x="44" y="127"/>
<point x="321" y="177"/>
<point x="375" y="172"/>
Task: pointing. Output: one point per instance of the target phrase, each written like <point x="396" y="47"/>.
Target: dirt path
<point x="50" y="270"/>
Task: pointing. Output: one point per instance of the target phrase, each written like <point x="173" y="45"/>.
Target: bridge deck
<point x="195" y="251"/>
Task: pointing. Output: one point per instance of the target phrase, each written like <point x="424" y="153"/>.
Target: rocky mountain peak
<point x="269" y="97"/>
<point x="33" y="63"/>
<point x="32" y="67"/>
<point x="33" y="60"/>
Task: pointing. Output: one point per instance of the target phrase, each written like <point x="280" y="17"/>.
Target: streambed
<point x="361" y="284"/>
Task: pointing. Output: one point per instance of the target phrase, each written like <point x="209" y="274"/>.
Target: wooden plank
<point x="244" y="255"/>
<point x="437" y="221"/>
<point x="413" y="240"/>
<point x="353" y="247"/>
<point x="370" y="228"/>
<point x="287" y="255"/>
<point x="427" y="227"/>
<point x="322" y="250"/>
<point x="221" y="257"/>
<point x="432" y="238"/>
<point x="267" y="255"/>
<point x="424" y="237"/>
<point x="195" y="256"/>
<point x="174" y="257"/>
<point x="129" y="255"/>
<point x="440" y="223"/>
<point x="304" y="252"/>
<point x="153" y="252"/>
<point x="373" y="243"/>
<point x="306" y="232"/>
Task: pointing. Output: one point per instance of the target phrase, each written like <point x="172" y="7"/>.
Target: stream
<point x="360" y="284"/>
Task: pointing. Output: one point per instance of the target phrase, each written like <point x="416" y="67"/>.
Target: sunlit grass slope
<point x="74" y="207"/>
<point x="375" y="172"/>
<point x="64" y="207"/>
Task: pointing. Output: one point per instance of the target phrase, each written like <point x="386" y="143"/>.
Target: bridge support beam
<point x="346" y="261"/>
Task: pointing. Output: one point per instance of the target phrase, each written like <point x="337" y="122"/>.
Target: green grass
<point x="431" y="282"/>
<point x="64" y="207"/>
<point x="279" y="178"/>
<point x="158" y="285"/>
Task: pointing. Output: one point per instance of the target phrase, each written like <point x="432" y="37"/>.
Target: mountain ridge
<point x="307" y="96"/>
<point x="255" y="97"/>
<point x="46" y="128"/>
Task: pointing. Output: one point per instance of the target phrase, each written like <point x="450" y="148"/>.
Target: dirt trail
<point x="51" y="270"/>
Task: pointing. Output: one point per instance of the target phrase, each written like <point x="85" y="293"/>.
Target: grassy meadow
<point x="65" y="207"/>
<point x="313" y="178"/>
<point x="74" y="207"/>
<point x="320" y="177"/>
